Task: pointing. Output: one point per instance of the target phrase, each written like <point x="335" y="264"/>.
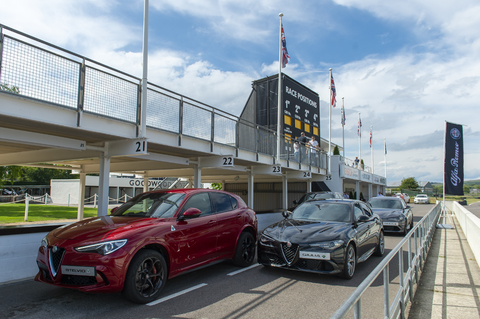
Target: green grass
<point x="14" y="213"/>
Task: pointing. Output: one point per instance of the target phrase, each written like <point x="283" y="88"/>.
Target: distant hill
<point x="466" y="183"/>
<point x="472" y="182"/>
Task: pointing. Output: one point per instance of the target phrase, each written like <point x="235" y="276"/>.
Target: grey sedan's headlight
<point x="104" y="248"/>
<point x="266" y="241"/>
<point x="44" y="242"/>
<point x="334" y="244"/>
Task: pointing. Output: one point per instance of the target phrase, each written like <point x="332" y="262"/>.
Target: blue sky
<point x="405" y="65"/>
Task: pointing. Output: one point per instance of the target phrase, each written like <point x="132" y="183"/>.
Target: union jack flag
<point x="285" y="56"/>
<point x="370" y="137"/>
<point x="343" y="116"/>
<point x="359" y="129"/>
<point x="333" y="102"/>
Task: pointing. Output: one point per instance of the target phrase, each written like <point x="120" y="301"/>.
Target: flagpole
<point x="279" y="92"/>
<point x="371" y="145"/>
<point x="143" y="104"/>
<point x="359" y="141"/>
<point x="385" y="155"/>
<point x="330" y="126"/>
<point x="444" y="159"/>
<point x="343" y="127"/>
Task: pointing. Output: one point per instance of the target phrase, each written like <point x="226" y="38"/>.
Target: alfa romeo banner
<point x="453" y="169"/>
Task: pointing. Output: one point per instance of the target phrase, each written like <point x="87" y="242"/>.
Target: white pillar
<point x="284" y="191"/>
<point x="369" y="191"/>
<point x="103" y="186"/>
<point x="81" y="196"/>
<point x="250" y="188"/>
<point x="145" y="183"/>
<point x="357" y="189"/>
<point x="197" y="176"/>
<point x="309" y="185"/>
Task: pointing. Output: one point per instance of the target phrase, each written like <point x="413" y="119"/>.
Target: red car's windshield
<point x="158" y="205"/>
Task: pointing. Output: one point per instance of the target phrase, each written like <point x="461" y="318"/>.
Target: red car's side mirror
<point x="192" y="212"/>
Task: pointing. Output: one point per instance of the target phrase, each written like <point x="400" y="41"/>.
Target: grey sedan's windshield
<point x="322" y="211"/>
<point x="317" y="196"/>
<point x="386" y="203"/>
<point x="158" y="205"/>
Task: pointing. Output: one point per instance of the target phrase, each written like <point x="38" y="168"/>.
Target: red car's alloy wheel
<point x="146" y="276"/>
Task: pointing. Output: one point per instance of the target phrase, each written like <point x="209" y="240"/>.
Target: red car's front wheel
<point x="146" y="277"/>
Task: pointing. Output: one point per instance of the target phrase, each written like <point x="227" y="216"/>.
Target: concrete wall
<point x="63" y="189"/>
<point x="470" y="225"/>
<point x="17" y="256"/>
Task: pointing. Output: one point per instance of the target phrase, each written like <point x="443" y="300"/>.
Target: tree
<point x="217" y="186"/>
<point x="9" y="174"/>
<point x="42" y="176"/>
<point x="8" y="88"/>
<point x="336" y="151"/>
<point x="409" y="183"/>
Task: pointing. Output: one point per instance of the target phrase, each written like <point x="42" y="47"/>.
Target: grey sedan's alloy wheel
<point x="146" y="277"/>
<point x="350" y="262"/>
<point x="245" y="252"/>
<point x="381" y="245"/>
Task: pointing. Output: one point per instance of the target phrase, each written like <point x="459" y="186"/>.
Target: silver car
<point x="422" y="199"/>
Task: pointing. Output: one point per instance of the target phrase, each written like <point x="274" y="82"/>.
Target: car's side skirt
<point x="366" y="255"/>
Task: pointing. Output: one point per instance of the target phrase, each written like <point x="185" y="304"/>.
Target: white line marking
<point x="242" y="270"/>
<point x="153" y="303"/>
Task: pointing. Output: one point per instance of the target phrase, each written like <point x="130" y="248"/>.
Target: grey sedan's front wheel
<point x="381" y="245"/>
<point x="350" y="262"/>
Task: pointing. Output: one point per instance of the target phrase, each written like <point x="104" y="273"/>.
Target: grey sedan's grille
<point x="289" y="252"/>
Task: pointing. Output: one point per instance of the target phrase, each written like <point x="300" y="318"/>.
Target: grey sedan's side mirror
<point x="286" y="213"/>
<point x="363" y="218"/>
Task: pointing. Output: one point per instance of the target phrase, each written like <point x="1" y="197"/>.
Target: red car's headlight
<point x="103" y="248"/>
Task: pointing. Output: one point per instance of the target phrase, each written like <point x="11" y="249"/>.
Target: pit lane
<point x="218" y="291"/>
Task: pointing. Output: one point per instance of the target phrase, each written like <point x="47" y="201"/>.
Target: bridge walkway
<point x="450" y="282"/>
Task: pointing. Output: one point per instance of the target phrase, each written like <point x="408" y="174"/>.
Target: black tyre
<point x="350" y="262"/>
<point x="381" y="245"/>
<point x="146" y="277"/>
<point x="245" y="252"/>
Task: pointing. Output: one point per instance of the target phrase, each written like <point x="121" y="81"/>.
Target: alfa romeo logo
<point x="455" y="133"/>
<point x="289" y="244"/>
<point x="54" y="249"/>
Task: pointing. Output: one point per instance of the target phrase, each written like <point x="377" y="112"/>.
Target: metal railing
<point x="48" y="73"/>
<point x="420" y="237"/>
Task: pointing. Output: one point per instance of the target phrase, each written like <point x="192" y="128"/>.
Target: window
<point x="357" y="212"/>
<point x="234" y="202"/>
<point x="200" y="201"/>
<point x="366" y="209"/>
<point x="221" y="201"/>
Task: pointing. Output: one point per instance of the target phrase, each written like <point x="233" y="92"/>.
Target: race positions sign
<point x="300" y="109"/>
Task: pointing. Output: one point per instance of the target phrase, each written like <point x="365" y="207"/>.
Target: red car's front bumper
<point x="108" y="275"/>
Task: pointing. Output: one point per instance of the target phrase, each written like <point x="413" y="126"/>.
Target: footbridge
<point x="65" y="111"/>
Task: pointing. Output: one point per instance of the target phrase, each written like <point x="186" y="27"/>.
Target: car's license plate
<point x="78" y="270"/>
<point x="314" y="255"/>
<point x="390" y="224"/>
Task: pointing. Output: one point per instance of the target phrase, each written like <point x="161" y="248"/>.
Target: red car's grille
<point x="78" y="280"/>
<point x="56" y="259"/>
